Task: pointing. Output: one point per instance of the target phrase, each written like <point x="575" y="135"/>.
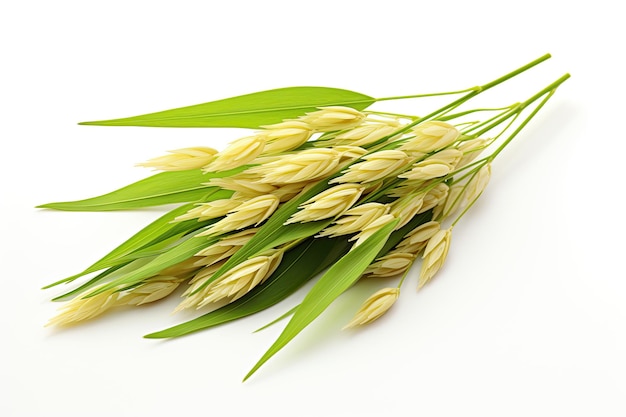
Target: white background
<point x="528" y="316"/>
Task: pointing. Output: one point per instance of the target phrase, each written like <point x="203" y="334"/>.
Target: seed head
<point x="210" y="210"/>
<point x="372" y="228"/>
<point x="285" y="136"/>
<point x="417" y="239"/>
<point x="431" y="136"/>
<point x="332" y="118"/>
<point x="367" y="133"/>
<point x="375" y="306"/>
<point x="427" y="170"/>
<point x="238" y="281"/>
<point x="251" y="212"/>
<point x="302" y="166"/>
<point x="242" y="184"/>
<point x="434" y="255"/>
<point x="374" y="166"/>
<point x="355" y="219"/>
<point x="152" y="289"/>
<point x="81" y="308"/>
<point x="471" y="149"/>
<point x="238" y="153"/>
<point x="182" y="159"/>
<point x="477" y="185"/>
<point x="329" y="203"/>
<point x="390" y="265"/>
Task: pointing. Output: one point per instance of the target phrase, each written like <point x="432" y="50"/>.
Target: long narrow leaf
<point x="332" y="284"/>
<point x="248" y="111"/>
<point x="297" y="267"/>
<point x="163" y="188"/>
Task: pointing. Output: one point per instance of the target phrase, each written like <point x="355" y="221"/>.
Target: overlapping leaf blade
<point x="333" y="283"/>
<point x="163" y="188"/>
<point x="249" y="110"/>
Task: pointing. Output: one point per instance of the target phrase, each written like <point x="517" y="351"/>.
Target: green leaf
<point x="248" y="111"/>
<point x="179" y="253"/>
<point x="333" y="283"/>
<point x="299" y="265"/>
<point x="153" y="234"/>
<point x="163" y="188"/>
<point x="274" y="232"/>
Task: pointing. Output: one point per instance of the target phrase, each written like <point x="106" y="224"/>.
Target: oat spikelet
<point x="392" y="264"/>
<point x="431" y="136"/>
<point x="152" y="289"/>
<point x="251" y="212"/>
<point x="198" y="283"/>
<point x="477" y="185"/>
<point x="355" y="219"/>
<point x="332" y="118"/>
<point x="453" y="200"/>
<point x="406" y="208"/>
<point x="471" y="149"/>
<point x="244" y="185"/>
<point x="427" y="170"/>
<point x="449" y="156"/>
<point x="285" y="136"/>
<point x="367" y="133"/>
<point x="288" y="191"/>
<point x="238" y="281"/>
<point x="434" y="255"/>
<point x="329" y="203"/>
<point x="374" y="307"/>
<point x="372" y="228"/>
<point x="374" y="166"/>
<point x="238" y="153"/>
<point x="223" y="249"/>
<point x="349" y="153"/>
<point x="436" y="197"/>
<point x="303" y="166"/>
<point x="415" y="241"/>
<point x="182" y="159"/>
<point x="210" y="210"/>
<point x="79" y="308"/>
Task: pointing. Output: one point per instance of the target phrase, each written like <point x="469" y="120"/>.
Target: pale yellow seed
<point x="449" y="156"/>
<point x="333" y="118"/>
<point x="355" y="219"/>
<point x="431" y="136"/>
<point x="434" y="256"/>
<point x="374" y="166"/>
<point x="288" y="191"/>
<point x="453" y="200"/>
<point x="303" y="166"/>
<point x="251" y="212"/>
<point x="182" y="159"/>
<point x="238" y="281"/>
<point x="427" y="170"/>
<point x="244" y="187"/>
<point x="367" y="133"/>
<point x="477" y="185"/>
<point x="80" y="308"/>
<point x="374" y="307"/>
<point x="238" y="153"/>
<point x="286" y="136"/>
<point x="210" y="210"/>
<point x="471" y="149"/>
<point x="406" y="208"/>
<point x="349" y="153"/>
<point x="153" y="289"/>
<point x="390" y="265"/>
<point x="372" y="228"/>
<point x="435" y="197"/>
<point x="198" y="283"/>
<point x="329" y="203"/>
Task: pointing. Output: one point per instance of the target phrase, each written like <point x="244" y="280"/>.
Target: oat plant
<point x="320" y="186"/>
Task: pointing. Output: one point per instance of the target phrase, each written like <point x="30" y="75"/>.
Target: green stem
<point x="447" y="93"/>
<point x="473" y="92"/>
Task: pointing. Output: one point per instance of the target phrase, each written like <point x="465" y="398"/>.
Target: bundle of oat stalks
<point x="322" y="184"/>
